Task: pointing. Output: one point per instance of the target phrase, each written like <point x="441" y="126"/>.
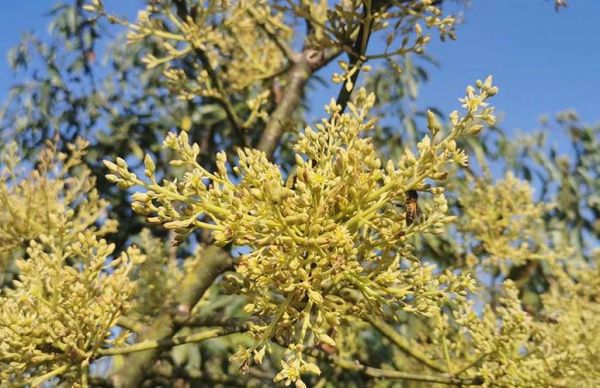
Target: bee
<point x="411" y="206"/>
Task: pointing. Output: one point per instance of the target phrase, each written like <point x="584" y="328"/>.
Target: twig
<point x="174" y="341"/>
<point x="389" y="373"/>
<point x="130" y="324"/>
<point x="357" y="59"/>
<point x="447" y="356"/>
<point x="58" y="371"/>
<point x="472" y="364"/>
<point x="403" y="344"/>
<point x="282" y="45"/>
<point x="227" y="106"/>
<point x="225" y="103"/>
<point x="394" y="374"/>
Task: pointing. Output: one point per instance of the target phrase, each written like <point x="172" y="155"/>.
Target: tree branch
<point x="403" y="344"/>
<point x="357" y="54"/>
<point x="306" y="63"/>
<point x="357" y="59"/>
<point x="388" y="373"/>
<point x="213" y="263"/>
<point x="394" y="374"/>
<point x="223" y="100"/>
<point x="281" y="44"/>
<point x="174" y="341"/>
<point x="130" y="324"/>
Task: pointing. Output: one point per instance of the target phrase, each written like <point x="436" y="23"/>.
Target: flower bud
<point x="432" y="123"/>
<point x="475" y="130"/>
<point x="150" y="166"/>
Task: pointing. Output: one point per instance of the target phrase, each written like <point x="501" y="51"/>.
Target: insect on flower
<point x="411" y="207"/>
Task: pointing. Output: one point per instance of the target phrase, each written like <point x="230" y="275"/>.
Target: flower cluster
<point x="221" y="37"/>
<point x="325" y="242"/>
<point x="60" y="312"/>
<point x="339" y="23"/>
<point x="156" y="277"/>
<point x="505" y="225"/>
<point x="239" y="48"/>
<point x="58" y="198"/>
<point x="71" y="288"/>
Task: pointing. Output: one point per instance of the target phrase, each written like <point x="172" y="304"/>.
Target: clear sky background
<point x="543" y="61"/>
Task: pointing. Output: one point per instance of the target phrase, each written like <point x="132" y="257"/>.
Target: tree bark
<point x="306" y="63"/>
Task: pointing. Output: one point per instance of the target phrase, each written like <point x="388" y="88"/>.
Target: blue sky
<point x="543" y="61"/>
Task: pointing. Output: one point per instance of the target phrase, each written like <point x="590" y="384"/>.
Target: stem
<point x="130" y="324"/>
<point x="403" y="344"/>
<point x="84" y="374"/>
<point x="367" y="214"/>
<point x="160" y="61"/>
<point x="281" y="44"/>
<point x="39" y="380"/>
<point x="306" y="320"/>
<point x="161" y="33"/>
<point x="472" y="364"/>
<point x="269" y="331"/>
<point x="357" y="59"/>
<point x="447" y="355"/>
<point x="227" y="106"/>
<point x="173" y="341"/>
<point x="394" y="374"/>
<point x="205" y="225"/>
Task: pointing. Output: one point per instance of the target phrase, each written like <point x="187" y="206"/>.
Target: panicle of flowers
<point x="71" y="287"/>
<point x="505" y="346"/>
<point x="325" y="242"/>
<point x="336" y="23"/>
<point x="399" y="24"/>
<point x="156" y="277"/>
<point x="222" y="37"/>
<point x="505" y="225"/>
<point x="566" y="334"/>
<point x="57" y="198"/>
<point x="62" y="308"/>
<point x="495" y="343"/>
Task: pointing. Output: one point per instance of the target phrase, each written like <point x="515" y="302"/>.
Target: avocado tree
<point x="176" y="219"/>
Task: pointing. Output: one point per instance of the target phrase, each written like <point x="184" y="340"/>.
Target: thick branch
<point x="296" y="79"/>
<point x="213" y="263"/>
<point x="304" y="66"/>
